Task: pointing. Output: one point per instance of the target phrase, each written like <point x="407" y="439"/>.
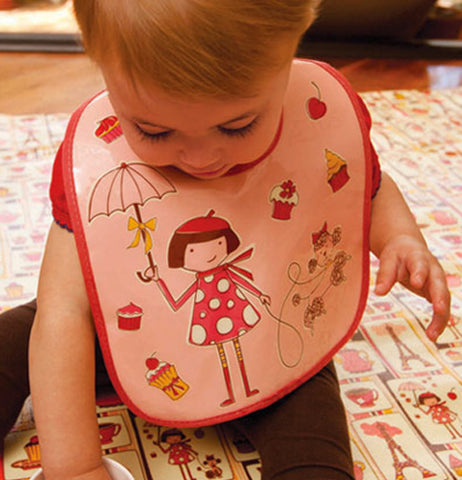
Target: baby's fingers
<point x="387" y="274"/>
<point x="419" y="270"/>
<point x="440" y="299"/>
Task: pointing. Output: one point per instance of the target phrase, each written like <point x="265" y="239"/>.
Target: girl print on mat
<point x="221" y="312"/>
<point x="179" y="451"/>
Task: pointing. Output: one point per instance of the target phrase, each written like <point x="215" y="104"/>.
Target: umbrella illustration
<point x="411" y="387"/>
<point x="131" y="185"/>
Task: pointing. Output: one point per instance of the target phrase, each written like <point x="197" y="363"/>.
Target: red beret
<point x="209" y="223"/>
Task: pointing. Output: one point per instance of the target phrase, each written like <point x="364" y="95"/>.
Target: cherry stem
<point x="317" y="88"/>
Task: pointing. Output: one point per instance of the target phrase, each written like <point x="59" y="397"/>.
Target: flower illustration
<point x="288" y="189"/>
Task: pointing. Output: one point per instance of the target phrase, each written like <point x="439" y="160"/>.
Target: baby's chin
<point x="206" y="174"/>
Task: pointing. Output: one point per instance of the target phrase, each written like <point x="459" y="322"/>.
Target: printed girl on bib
<point x="221" y="312"/>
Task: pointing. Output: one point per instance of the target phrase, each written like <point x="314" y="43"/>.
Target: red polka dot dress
<point x="440" y="413"/>
<point x="221" y="309"/>
<point x="180" y="454"/>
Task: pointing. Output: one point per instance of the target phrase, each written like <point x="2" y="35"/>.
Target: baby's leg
<point x="15" y="327"/>
<point x="303" y="436"/>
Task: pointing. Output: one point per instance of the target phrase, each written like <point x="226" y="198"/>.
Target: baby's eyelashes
<point x="240" y="131"/>
<point x="154" y="136"/>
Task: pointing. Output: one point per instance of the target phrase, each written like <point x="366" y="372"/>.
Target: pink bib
<point x="215" y="298"/>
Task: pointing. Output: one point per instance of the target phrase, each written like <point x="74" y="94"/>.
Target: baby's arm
<point x="61" y="358"/>
<point x="404" y="256"/>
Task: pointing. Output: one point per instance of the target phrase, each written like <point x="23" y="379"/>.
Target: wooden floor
<point x="50" y="82"/>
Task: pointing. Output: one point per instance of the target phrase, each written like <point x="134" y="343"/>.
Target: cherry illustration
<point x="152" y="363"/>
<point x="452" y="395"/>
<point x="315" y="107"/>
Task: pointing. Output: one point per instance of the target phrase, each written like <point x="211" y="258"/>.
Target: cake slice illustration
<point x="129" y="317"/>
<point x="109" y="129"/>
<point x="284" y="198"/>
<point x="163" y="375"/>
<point x="337" y="170"/>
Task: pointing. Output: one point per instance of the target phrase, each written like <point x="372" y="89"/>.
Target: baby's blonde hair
<point x="220" y="48"/>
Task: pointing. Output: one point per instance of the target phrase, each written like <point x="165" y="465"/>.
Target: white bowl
<point x="115" y="470"/>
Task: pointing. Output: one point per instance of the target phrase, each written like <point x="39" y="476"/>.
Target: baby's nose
<point x="201" y="156"/>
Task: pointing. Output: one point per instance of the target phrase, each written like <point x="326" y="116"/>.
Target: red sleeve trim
<point x="59" y="207"/>
<point x="376" y="170"/>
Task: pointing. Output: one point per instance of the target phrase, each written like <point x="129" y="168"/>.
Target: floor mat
<point x="403" y="394"/>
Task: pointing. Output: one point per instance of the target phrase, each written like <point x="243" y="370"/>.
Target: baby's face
<point x="203" y="138"/>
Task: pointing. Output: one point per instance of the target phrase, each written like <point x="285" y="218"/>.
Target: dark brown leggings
<point x="301" y="437"/>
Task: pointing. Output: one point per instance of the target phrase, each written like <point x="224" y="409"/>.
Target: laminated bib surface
<point x="212" y="299"/>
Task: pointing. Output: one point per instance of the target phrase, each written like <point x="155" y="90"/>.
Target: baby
<point x="207" y="106"/>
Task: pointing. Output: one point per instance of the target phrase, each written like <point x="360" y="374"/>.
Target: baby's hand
<point x="408" y="261"/>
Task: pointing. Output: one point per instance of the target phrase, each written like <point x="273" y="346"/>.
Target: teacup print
<point x="364" y="397"/>
<point x="107" y="432"/>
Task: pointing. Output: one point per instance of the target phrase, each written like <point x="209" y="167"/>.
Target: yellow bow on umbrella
<point x="142" y="227"/>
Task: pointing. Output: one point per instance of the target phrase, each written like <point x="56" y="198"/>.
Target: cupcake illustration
<point x="163" y="375"/>
<point x="32" y="449"/>
<point x="129" y="317"/>
<point x="337" y="170"/>
<point x="284" y="198"/>
<point x="109" y="129"/>
<point x="456" y="464"/>
<point x="14" y="290"/>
